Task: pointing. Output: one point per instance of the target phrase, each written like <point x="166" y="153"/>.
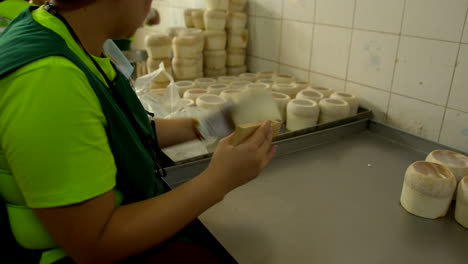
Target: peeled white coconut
<point x="255" y="105"/>
<point x="428" y="189"/>
<point x="461" y="209"/>
<point x="456" y="162"/>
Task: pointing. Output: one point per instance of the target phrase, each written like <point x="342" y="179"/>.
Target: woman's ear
<point x="153" y="17"/>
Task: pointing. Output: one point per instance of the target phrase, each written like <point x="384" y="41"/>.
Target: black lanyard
<point x="147" y="140"/>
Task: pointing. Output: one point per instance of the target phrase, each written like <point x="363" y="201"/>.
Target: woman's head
<point x="123" y="17"/>
<point x="130" y="15"/>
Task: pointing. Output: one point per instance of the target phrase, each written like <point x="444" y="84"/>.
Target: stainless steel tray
<point x="363" y="114"/>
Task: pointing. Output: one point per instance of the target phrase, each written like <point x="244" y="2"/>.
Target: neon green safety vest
<point x="131" y="136"/>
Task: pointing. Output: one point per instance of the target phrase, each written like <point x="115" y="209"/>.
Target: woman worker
<point x="9" y="9"/>
<point x="78" y="155"/>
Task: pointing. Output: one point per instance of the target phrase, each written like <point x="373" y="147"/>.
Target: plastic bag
<point x="118" y="58"/>
<point x="168" y="105"/>
<point x="158" y="104"/>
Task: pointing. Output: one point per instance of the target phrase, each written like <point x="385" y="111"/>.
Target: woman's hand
<point x="232" y="166"/>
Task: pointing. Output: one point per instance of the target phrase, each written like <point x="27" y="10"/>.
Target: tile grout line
<point x="376" y="31"/>
<point x="350" y="46"/>
<point x="308" y="70"/>
<point x="280" y="46"/>
<point x="278" y="62"/>
<point x="312" y="43"/>
<point x="392" y="83"/>
<point x="453" y="77"/>
<point x="426" y="38"/>
<point x="417" y="99"/>
<point x="263" y="58"/>
<point x="327" y="75"/>
<point x="368" y="86"/>
<point x="362" y="29"/>
<point x="251" y="27"/>
<point x="458" y="110"/>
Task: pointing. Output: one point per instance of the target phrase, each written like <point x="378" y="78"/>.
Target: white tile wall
<point x="335" y="12"/>
<point x="200" y="4"/>
<point x="252" y="33"/>
<point x="266" y="38"/>
<point x="171" y="17"/>
<point x="320" y="80"/>
<point x="296" y="44"/>
<point x="409" y="81"/>
<point x="301" y="75"/>
<point x="459" y="94"/>
<point x="180" y="3"/>
<point x="416" y="117"/>
<point x="268" y="8"/>
<point x="373" y="59"/>
<point x="425" y="68"/>
<point x="330" y="50"/>
<point x="370" y="98"/>
<point x="379" y="15"/>
<point x="184" y="3"/>
<point x="465" y="32"/>
<point x="455" y="130"/>
<point x="435" y="19"/>
<point x="251" y="8"/>
<point x="301" y="10"/>
<point x="257" y="64"/>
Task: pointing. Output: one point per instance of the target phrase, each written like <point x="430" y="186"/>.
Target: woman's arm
<point x="175" y="131"/>
<point x="96" y="231"/>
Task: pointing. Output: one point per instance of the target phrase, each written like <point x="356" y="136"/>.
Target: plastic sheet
<point x="168" y="105"/>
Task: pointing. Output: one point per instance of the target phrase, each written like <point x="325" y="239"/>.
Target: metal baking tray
<point x="363" y="114"/>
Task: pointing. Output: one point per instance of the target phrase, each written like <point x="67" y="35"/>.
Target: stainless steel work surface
<point x="334" y="203"/>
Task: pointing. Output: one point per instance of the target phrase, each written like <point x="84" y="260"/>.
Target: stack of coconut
<point x="180" y="49"/>
<point x="187" y="63"/>
<point x="224" y="24"/>
<point x="159" y="48"/>
<point x="237" y="37"/>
